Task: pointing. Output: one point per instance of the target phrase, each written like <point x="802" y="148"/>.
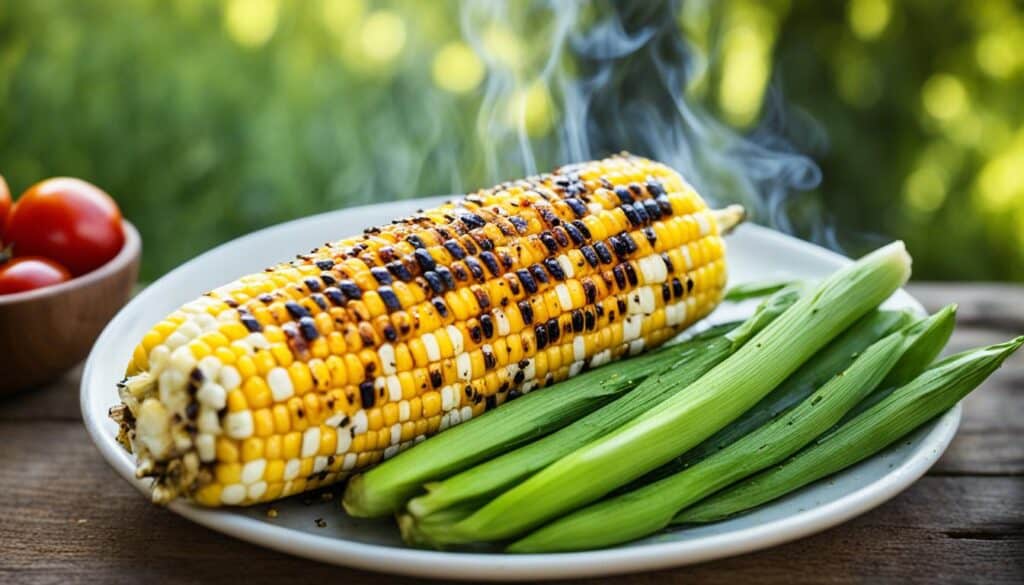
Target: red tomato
<point x="67" y="220"/>
<point x="30" y="273"/>
<point x="5" y="204"/>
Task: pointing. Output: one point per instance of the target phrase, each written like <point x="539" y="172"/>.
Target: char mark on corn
<point x="290" y="379"/>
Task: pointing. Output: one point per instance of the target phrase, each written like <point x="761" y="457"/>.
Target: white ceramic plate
<point x="754" y="254"/>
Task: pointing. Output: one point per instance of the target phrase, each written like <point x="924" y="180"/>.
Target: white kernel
<point x="189" y="330"/>
<point x="394" y="386"/>
<point x="319" y="464"/>
<point x="230" y="378"/>
<point x="530" y="371"/>
<point x="647" y="301"/>
<point x="208" y="422"/>
<point x="359" y="422"/>
<point x="349" y="462"/>
<point x="172" y="388"/>
<point x="257" y="490"/>
<point x="205" y="321"/>
<point x="391" y="451"/>
<point x="458" y="343"/>
<point x="238" y="425"/>
<point x="579" y="348"/>
<point x="702" y="221"/>
<point x="183" y="360"/>
<point x="159" y="356"/>
<point x="575" y="368"/>
<point x="387" y="358"/>
<point x="253" y="470"/>
<point x="258" y="341"/>
<point x="232" y="494"/>
<point x="631" y="327"/>
<point x="600" y="358"/>
<point x="205" y="446"/>
<point x="464" y="367"/>
<point x="445" y="422"/>
<point x="502" y="326"/>
<point x="396" y="433"/>
<point x="686" y="256"/>
<point x="446" y="398"/>
<point x="564" y="298"/>
<point x="280" y="384"/>
<point x="430" y="344"/>
<point x="636" y="346"/>
<point x="403" y="410"/>
<point x="291" y="469"/>
<point x="175" y="340"/>
<point x="310" y="441"/>
<point x="344" y="442"/>
<point x="566" y="265"/>
<point x="209" y="366"/>
<point x="466" y="413"/>
<point x="454" y="417"/>
<point x="335" y="419"/>
<point x="227" y="316"/>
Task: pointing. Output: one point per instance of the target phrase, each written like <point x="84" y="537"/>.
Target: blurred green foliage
<point x="206" y="120"/>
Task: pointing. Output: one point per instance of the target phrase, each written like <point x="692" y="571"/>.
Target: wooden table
<point x="65" y="517"/>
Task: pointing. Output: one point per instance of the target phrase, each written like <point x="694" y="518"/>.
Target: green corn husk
<point x="499" y="474"/>
<point x="383" y="490"/>
<point x="650" y="508"/>
<point x="936" y="390"/>
<point x="690" y="416"/>
<point x="753" y="290"/>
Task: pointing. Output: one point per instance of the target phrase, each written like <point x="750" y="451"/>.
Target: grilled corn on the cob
<point x="286" y="380"/>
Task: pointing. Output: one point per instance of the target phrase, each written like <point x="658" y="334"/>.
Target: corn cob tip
<point x="729" y="217"/>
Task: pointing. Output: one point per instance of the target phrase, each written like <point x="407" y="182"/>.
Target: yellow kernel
<point x="274" y="471"/>
<point x="281" y="354"/>
<point x="302" y="382"/>
<point x="252" y="448"/>
<point x="272" y="446"/>
<point x="292" y="445"/>
<point x="257" y="393"/>
<point x="282" y="419"/>
<point x="227" y="450"/>
<point x="225" y="355"/>
<point x="233" y="330"/>
<point x="236" y="401"/>
<point x="228" y="473"/>
<point x="320" y="373"/>
<point x="246" y="366"/>
<point x="390" y="413"/>
<point x="431" y="403"/>
<point x="328" y="440"/>
<point x="263" y="422"/>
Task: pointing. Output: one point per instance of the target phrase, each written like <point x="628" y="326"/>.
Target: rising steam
<point x="615" y="77"/>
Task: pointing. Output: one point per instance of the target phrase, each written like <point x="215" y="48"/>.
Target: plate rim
<point x="504" y="567"/>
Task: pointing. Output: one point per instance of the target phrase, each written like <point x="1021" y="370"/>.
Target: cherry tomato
<point x="5" y="204"/>
<point x="30" y="273"/>
<point x="67" y="220"/>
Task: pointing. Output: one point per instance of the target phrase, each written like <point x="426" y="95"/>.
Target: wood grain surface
<point x="65" y="517"/>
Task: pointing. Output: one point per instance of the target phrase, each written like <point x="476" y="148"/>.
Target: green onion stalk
<point x="501" y="473"/>
<point x="692" y="415"/>
<point x="651" y="508"/>
<point x="385" y="489"/>
<point x="935" y="391"/>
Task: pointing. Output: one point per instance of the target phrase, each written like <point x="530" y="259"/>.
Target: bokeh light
<point x="457" y="68"/>
<point x="868" y="18"/>
<point x="251" y="23"/>
<point x="382" y="36"/>
<point x="944" y="96"/>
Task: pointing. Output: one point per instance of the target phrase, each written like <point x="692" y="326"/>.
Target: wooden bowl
<point x="44" y="332"/>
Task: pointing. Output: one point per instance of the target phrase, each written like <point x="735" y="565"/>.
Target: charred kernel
<point x="577" y="320"/>
<point x="264" y="298"/>
<point x="250" y="322"/>
<point x="513" y="283"/>
<point x="581" y="228"/>
<point x="519" y="377"/>
<point x="631" y="214"/>
<point x="487" y="325"/>
<point x="620" y="277"/>
<point x="389" y="332"/>
<point x="399" y="271"/>
<point x="296" y="310"/>
<point x="541" y="334"/>
<point x="526" y="311"/>
<point x="599" y="309"/>
<point x="491" y="401"/>
<point x="389" y="297"/>
<point x="440" y="307"/>
<point x="590" y="255"/>
<point x="470" y="246"/>
<point x="554" y="268"/>
<point x="624" y="195"/>
<point x="307" y="326"/>
<point x="538" y="273"/>
<point x="481" y="297"/>
<point x="527" y="280"/>
<point x="549" y="217"/>
<point x="668" y="262"/>
<point x="446" y="276"/>
<point x="666" y="292"/>
<point x="641" y="212"/>
<point x="507" y="261"/>
<point x="459" y="272"/>
<point x="677" y="288"/>
<point x="655" y="188"/>
<point x="335" y="295"/>
<point x="689" y="284"/>
<point x="455" y="249"/>
<point x="507" y="229"/>
<point x="603" y="252"/>
<point x="425" y="260"/>
<point x="319" y="300"/>
<point x="436" y="380"/>
<point x="367" y="397"/>
<point x="381" y="274"/>
<point x="619" y="245"/>
<point x="653" y="209"/>
<point x="650" y="235"/>
<point x="366" y="334"/>
<point x="416" y="242"/>
<point x="589" y="321"/>
<point x="553" y="330"/>
<point x="636" y="188"/>
<point x="472" y="220"/>
<point x="313" y="284"/>
<point x="435" y="282"/>
<point x="664" y="204"/>
<point x="577" y="206"/>
<point x="549" y="242"/>
<point x="491" y="262"/>
<point x="520" y="223"/>
<point x="350" y="289"/>
<point x="589" y="290"/>
<point x="630" y="273"/>
<point x="489" y="359"/>
<point x="474" y="267"/>
<point x="476" y="332"/>
<point x="325" y="264"/>
<point x="574" y="234"/>
<point x="628" y="241"/>
<point x="328" y="278"/>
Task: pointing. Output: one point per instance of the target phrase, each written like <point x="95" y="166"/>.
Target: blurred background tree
<point x="206" y="120"/>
